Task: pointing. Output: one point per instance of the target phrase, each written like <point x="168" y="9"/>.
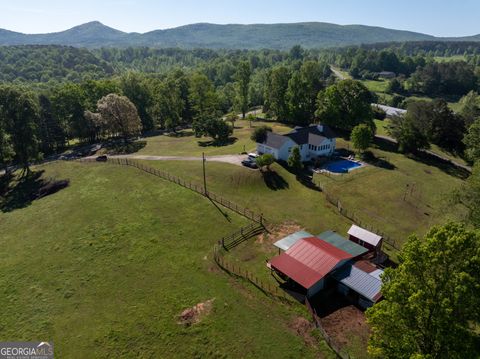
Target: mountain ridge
<point x="94" y="34"/>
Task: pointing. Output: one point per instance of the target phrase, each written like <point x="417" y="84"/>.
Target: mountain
<point x="203" y="35"/>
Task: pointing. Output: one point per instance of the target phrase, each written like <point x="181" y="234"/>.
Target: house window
<point x="289" y="149"/>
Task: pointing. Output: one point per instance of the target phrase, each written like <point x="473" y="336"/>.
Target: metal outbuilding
<point x="342" y="243"/>
<point x="308" y="261"/>
<point x="364" y="238"/>
<point x="366" y="285"/>
<point x="288" y="241"/>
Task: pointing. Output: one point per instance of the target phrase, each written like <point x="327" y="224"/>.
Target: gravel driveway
<point x="233" y="159"/>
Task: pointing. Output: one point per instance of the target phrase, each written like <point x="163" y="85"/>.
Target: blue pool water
<point x="342" y="166"/>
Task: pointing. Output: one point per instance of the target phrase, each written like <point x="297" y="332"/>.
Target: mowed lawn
<point x="375" y="194"/>
<point x="405" y="196"/>
<point x="104" y="267"/>
<point x="186" y="144"/>
<point x="278" y="194"/>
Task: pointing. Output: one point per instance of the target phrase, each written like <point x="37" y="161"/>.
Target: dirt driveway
<point x="233" y="159"/>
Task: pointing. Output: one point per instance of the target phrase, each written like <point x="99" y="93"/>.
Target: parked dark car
<point x="102" y="158"/>
<point x="249" y="163"/>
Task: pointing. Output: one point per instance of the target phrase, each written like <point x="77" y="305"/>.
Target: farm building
<point x="361" y="283"/>
<point x="308" y="262"/>
<point x="342" y="243"/>
<point x="311" y="264"/>
<point x="313" y="141"/>
<point x="367" y="239"/>
<point x="288" y="241"/>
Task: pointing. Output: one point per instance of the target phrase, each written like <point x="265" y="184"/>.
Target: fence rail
<point x="352" y="216"/>
<point x="243" y="211"/>
<point x="237" y="270"/>
<point x="330" y="341"/>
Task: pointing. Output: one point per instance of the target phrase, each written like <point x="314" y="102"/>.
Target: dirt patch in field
<point x="278" y="232"/>
<point x="347" y="326"/>
<point x="303" y="328"/>
<point x="195" y="314"/>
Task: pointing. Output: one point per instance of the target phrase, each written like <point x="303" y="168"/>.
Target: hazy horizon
<point x="448" y="19"/>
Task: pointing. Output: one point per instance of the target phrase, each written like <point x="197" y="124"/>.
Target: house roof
<point x="275" y="140"/>
<point x="315" y="140"/>
<point x="300" y="135"/>
<point x="303" y="135"/>
<point x="342" y="243"/>
<point x="364" y="235"/>
<point x="309" y="260"/>
<point x="366" y="284"/>
<point x="288" y="241"/>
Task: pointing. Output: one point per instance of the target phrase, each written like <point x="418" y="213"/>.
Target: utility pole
<point x="204" y="176"/>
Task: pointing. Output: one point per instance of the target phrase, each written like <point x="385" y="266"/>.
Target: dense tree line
<point x="50" y="63"/>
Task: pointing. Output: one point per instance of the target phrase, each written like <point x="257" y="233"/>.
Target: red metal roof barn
<point x="308" y="261"/>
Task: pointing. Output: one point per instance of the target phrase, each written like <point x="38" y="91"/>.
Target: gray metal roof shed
<point x="363" y="283"/>
<point x="291" y="239"/>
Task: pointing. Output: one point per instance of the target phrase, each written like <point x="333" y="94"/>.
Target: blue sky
<point x="440" y="17"/>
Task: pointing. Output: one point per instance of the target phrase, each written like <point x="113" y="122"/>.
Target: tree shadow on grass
<point x="214" y="143"/>
<point x="446" y="166"/>
<point x="27" y="189"/>
<point x="381" y="162"/>
<point x="274" y="181"/>
<point x="303" y="176"/>
<point x="180" y="134"/>
<point x="425" y="158"/>
<point x="124" y="148"/>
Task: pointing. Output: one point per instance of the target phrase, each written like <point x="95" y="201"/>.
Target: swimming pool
<point x="342" y="166"/>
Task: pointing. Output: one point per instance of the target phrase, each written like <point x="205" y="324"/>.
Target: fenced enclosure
<point x="354" y="217"/>
<point x="243" y="211"/>
<point x="237" y="270"/>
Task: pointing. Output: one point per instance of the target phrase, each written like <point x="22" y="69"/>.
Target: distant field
<point x="449" y="58"/>
<point x="106" y="266"/>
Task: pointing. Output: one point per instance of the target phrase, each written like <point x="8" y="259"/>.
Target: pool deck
<point x="324" y="170"/>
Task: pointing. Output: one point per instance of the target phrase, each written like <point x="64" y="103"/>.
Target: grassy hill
<point x="231" y="36"/>
<point x="107" y="265"/>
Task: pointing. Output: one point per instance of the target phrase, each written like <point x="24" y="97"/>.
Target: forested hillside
<point x="232" y="36"/>
<point x="50" y="63"/>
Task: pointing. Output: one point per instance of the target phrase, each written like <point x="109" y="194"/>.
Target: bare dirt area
<point x="303" y="328"/>
<point x="195" y="314"/>
<point x="347" y="327"/>
<point x="278" y="232"/>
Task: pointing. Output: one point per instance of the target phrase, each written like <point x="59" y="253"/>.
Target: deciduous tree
<point x="345" y="105"/>
<point x="265" y="161"/>
<point x="431" y="304"/>
<point x="242" y="78"/>
<point x="472" y="141"/>
<point x="259" y="135"/>
<point x="19" y="113"/>
<point x="361" y="137"/>
<point x="119" y="115"/>
<point x="294" y="161"/>
<point x="409" y="137"/>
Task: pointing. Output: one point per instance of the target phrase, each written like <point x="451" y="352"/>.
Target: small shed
<point x="288" y="241"/>
<point x="308" y="261"/>
<point x="365" y="238"/>
<point x="342" y="243"/>
<point x="365" y="286"/>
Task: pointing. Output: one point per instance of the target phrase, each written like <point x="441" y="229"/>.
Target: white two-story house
<point x="313" y="141"/>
